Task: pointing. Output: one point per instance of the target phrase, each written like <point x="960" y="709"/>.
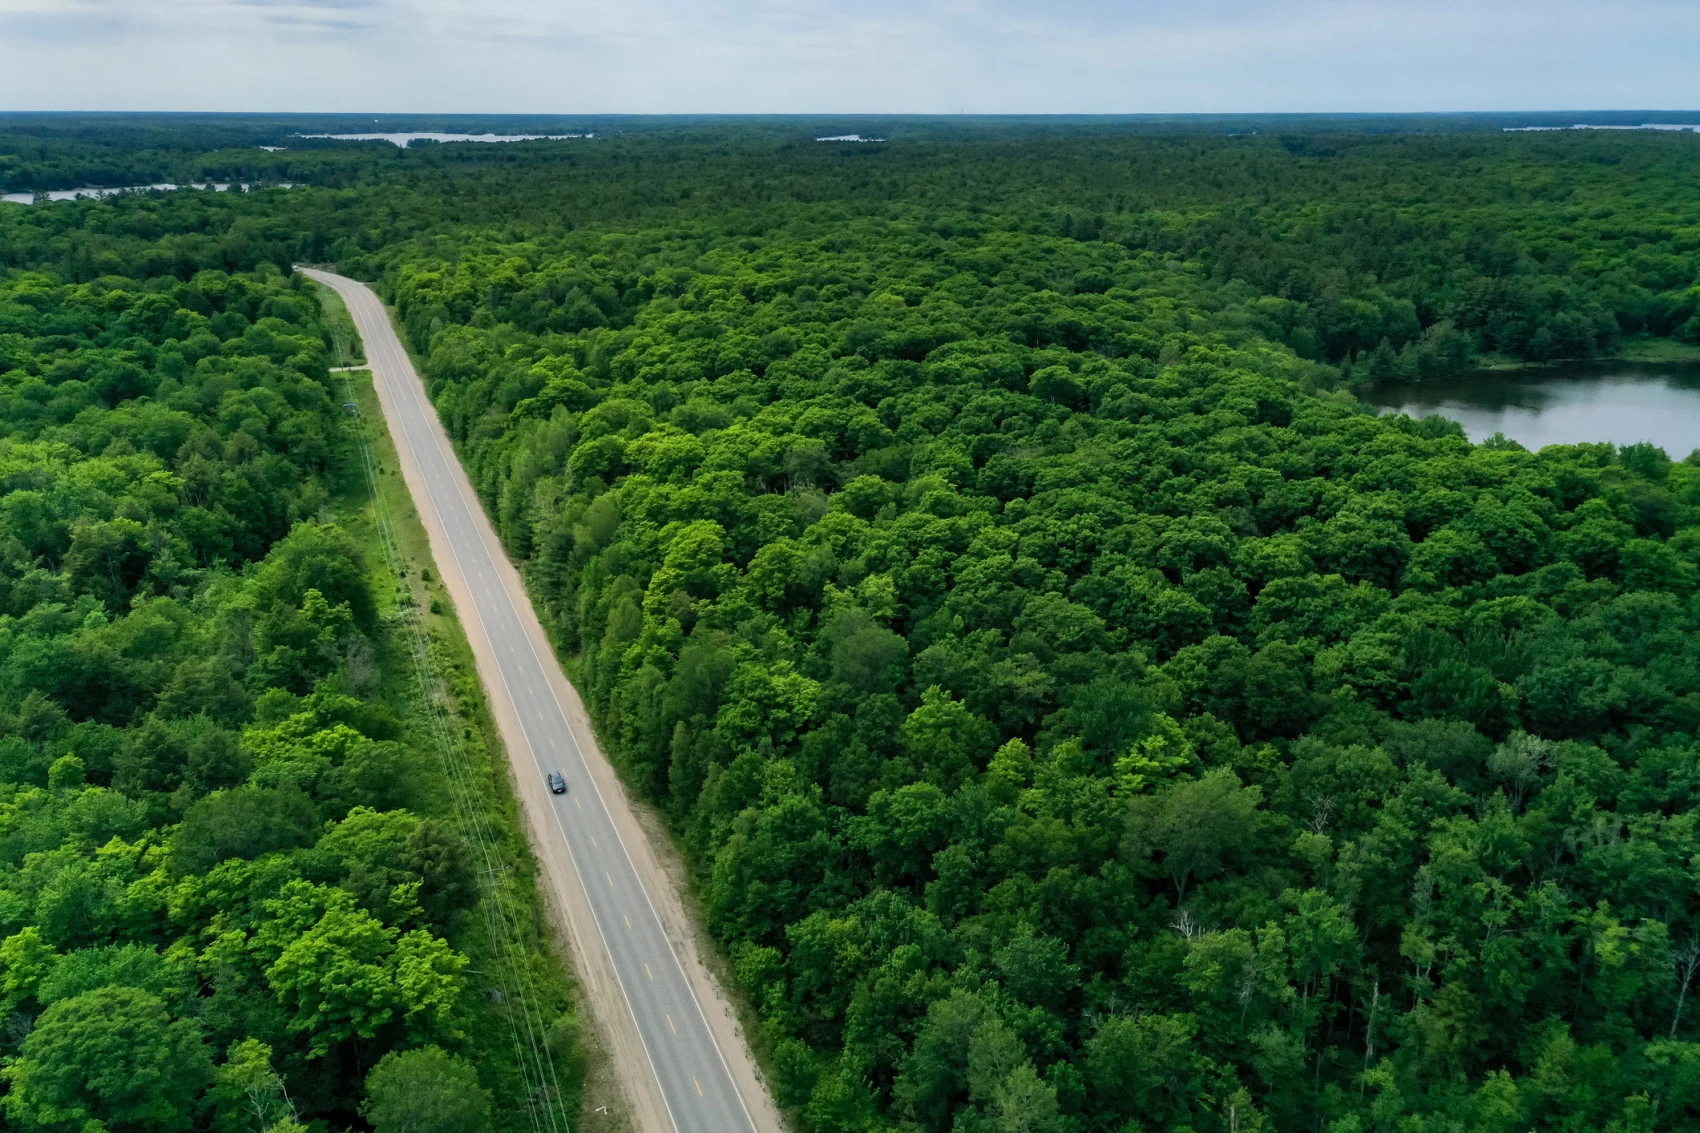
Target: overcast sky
<point x="874" y="56"/>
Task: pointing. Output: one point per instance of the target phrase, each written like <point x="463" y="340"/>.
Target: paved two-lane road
<point x="686" y="1066"/>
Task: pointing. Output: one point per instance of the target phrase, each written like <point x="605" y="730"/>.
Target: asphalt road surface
<point x="686" y="1065"/>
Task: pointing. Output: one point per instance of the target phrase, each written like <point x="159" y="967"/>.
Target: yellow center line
<point x="698" y="1085"/>
<point x="647" y="972"/>
<point x="610" y="879"/>
<point x="670" y="1025"/>
<point x="593" y="841"/>
<point x="628" y="921"/>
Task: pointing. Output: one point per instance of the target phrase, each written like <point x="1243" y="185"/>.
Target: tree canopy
<point x="1079" y="713"/>
<point x="215" y="834"/>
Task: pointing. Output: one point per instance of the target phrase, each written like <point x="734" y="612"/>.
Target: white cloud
<point x="928" y="56"/>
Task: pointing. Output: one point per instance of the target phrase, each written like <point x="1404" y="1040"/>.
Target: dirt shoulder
<point x="603" y="1106"/>
<point x="565" y="896"/>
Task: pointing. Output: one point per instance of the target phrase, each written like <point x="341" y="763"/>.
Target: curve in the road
<point x="689" y="1069"/>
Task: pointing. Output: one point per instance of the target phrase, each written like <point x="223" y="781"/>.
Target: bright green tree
<point x="108" y="1059"/>
<point x="425" y="1090"/>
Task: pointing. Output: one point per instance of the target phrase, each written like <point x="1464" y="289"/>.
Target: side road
<point x="668" y="1028"/>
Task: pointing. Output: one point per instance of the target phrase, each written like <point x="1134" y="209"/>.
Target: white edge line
<point x="637" y="876"/>
<point x="525" y="732"/>
<point x="530" y="747"/>
<point x="660" y="924"/>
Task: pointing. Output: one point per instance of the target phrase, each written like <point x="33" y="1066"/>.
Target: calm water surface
<point x="73" y="194"/>
<point x="404" y="139"/>
<point x="1621" y="402"/>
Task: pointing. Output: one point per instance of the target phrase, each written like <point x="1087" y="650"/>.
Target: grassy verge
<point x="1641" y="348"/>
<point x="345" y="341"/>
<point x="598" y="1103"/>
<point x="521" y="1020"/>
<point x="1645" y="348"/>
<point x="522" y="1027"/>
<point x="603" y="1106"/>
<point x="600" y="1084"/>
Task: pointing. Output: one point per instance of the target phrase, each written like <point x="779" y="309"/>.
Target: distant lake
<point x="1681" y="127"/>
<point x="402" y="140"/>
<point x="1621" y="402"/>
<point x="73" y="194"/>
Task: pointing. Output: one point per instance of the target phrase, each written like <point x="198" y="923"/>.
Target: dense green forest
<point x="82" y="150"/>
<point x="1080" y="726"/>
<point x="1080" y="714"/>
<point x="233" y="895"/>
<point x="1390" y="256"/>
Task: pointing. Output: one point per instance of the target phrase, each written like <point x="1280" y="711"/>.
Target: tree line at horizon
<point x="1078" y="713"/>
<point x="1382" y="255"/>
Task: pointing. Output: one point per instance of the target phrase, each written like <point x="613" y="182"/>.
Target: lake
<point x="73" y="194"/>
<point x="404" y="139"/>
<point x="1621" y="402"/>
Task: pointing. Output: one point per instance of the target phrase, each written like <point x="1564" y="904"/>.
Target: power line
<point x="514" y="977"/>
